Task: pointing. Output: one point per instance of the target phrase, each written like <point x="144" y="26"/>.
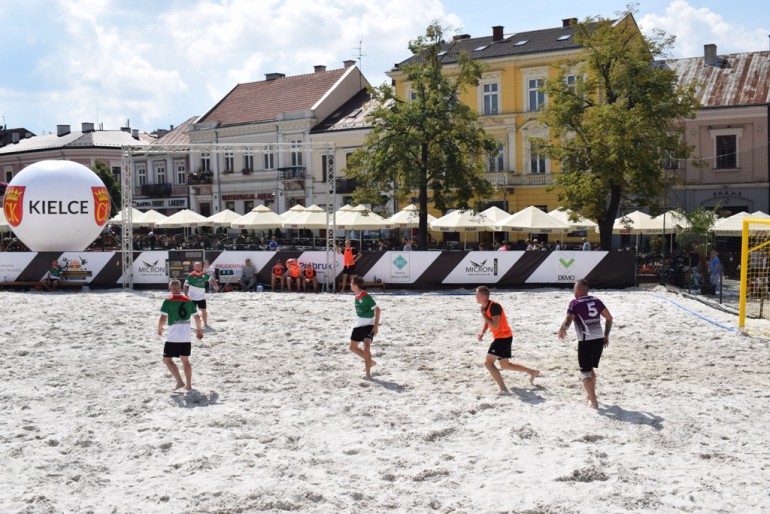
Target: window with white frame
<point x="229" y="160"/>
<point x="181" y="172"/>
<point x="269" y="158"/>
<point x="571" y="80"/>
<point x="248" y="160"/>
<point x="296" y="152"/>
<point x="536" y="163"/>
<point x="535" y="94"/>
<point x="490" y="99"/>
<point x="205" y="161"/>
<point x="141" y="174"/>
<point x="160" y="172"/>
<point x="496" y="162"/>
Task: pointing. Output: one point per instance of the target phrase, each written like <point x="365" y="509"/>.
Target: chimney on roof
<point x="62" y="130"/>
<point x="710" y="54"/>
<point x="87" y="127"/>
<point x="458" y="37"/>
<point x="135" y="133"/>
<point x="14" y="137"/>
<point x="274" y="76"/>
<point x="568" y="22"/>
<point x="497" y="33"/>
<point x="348" y="63"/>
<point x="319" y="68"/>
<point x="125" y="129"/>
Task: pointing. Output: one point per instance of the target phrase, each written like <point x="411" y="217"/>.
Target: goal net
<point x="754" y="306"/>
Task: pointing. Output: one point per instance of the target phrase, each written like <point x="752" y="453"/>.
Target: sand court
<point x="281" y="418"/>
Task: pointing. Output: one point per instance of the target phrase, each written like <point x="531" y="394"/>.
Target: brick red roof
<point x="264" y="100"/>
<point x="179" y="135"/>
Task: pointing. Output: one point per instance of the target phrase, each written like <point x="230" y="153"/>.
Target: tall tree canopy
<point x="113" y="188"/>
<point x="431" y="142"/>
<point x="613" y="127"/>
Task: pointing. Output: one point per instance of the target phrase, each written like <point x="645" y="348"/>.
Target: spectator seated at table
<point x="278" y="276"/>
<point x="248" y="276"/>
<point x="294" y="275"/>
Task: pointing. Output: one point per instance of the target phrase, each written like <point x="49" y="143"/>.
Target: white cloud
<point x="697" y="26"/>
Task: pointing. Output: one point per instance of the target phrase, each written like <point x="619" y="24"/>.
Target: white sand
<point x="280" y="417"/>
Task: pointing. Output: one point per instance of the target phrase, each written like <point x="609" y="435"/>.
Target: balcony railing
<point x="200" y="177"/>
<point x="346" y="186"/>
<point x="291" y="173"/>
<point x="157" y="190"/>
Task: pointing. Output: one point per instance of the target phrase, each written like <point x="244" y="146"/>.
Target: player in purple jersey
<point x="587" y="313"/>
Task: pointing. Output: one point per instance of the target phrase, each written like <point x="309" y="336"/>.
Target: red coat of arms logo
<point x="101" y="205"/>
<point x="13" y="204"/>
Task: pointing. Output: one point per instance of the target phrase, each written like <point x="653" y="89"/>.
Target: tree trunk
<point x="422" y="234"/>
<point x="605" y="225"/>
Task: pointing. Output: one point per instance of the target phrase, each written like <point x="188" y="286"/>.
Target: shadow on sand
<point x="631" y="416"/>
<point x="390" y="386"/>
<point x="194" y="398"/>
<point x="528" y="395"/>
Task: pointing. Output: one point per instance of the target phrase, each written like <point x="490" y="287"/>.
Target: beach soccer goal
<point x="754" y="306"/>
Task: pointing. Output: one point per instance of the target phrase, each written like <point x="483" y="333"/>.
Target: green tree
<point x="432" y="142"/>
<point x="113" y="188"/>
<point x="613" y="128"/>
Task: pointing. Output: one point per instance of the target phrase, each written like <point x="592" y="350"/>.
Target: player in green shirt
<point x="367" y="320"/>
<point x="52" y="277"/>
<point x="195" y="288"/>
<point x="177" y="309"/>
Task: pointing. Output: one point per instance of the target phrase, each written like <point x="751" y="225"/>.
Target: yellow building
<point x="509" y="99"/>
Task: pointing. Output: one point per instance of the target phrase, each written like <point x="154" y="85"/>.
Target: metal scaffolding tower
<point x="219" y="149"/>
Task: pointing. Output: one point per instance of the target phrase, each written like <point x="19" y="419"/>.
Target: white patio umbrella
<point x="185" y="218"/>
<point x="150" y="218"/>
<point x="636" y="222"/>
<point x="579" y="224"/>
<point x="259" y="218"/>
<point x="532" y="220"/>
<point x="494" y="214"/>
<point x="313" y="217"/>
<point x="136" y="215"/>
<point x="408" y="217"/>
<point x="224" y="218"/>
<point x="358" y="218"/>
<point x="733" y="225"/>
<point x="291" y="212"/>
<point x="461" y="221"/>
<point x="671" y="222"/>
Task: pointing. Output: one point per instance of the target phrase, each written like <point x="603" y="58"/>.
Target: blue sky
<point x="159" y="63"/>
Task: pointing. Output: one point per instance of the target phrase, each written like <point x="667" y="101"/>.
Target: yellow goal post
<point x="754" y="302"/>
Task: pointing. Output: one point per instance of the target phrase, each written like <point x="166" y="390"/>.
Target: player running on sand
<point x="195" y="286"/>
<point x="177" y="310"/>
<point x="500" y="349"/>
<point x="367" y="320"/>
<point x="587" y="312"/>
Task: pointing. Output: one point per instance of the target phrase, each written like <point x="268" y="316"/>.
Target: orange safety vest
<point x="348" y="258"/>
<point x="503" y="329"/>
<point x="293" y="270"/>
<point x="309" y="272"/>
<point x="278" y="270"/>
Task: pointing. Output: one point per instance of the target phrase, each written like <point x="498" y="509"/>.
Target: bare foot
<point x="179" y="385"/>
<point x="368" y="369"/>
<point x="533" y="376"/>
<point x="188" y="388"/>
<point x="593" y="405"/>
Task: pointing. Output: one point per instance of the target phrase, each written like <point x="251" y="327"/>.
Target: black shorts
<point x="349" y="270"/>
<point x="177" y="349"/>
<point x="589" y="354"/>
<point x="501" y="348"/>
<point x="361" y="333"/>
<point x="201" y="304"/>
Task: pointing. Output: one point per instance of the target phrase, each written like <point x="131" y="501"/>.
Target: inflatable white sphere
<point x="56" y="206"/>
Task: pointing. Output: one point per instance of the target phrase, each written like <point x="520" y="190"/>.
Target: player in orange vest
<point x="500" y="349"/>
<point x="277" y="275"/>
<point x="349" y="258"/>
<point x="294" y="275"/>
<point x="310" y="277"/>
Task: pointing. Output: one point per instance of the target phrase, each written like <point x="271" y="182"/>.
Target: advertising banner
<point x="566" y="267"/>
<point x="400" y="267"/>
<point x="482" y="268"/>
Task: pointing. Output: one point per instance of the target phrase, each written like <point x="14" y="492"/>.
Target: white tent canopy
<point x="580" y="224"/>
<point x="150" y="218"/>
<point x="461" y="221"/>
<point x="358" y="218"/>
<point x="260" y="218"/>
<point x="733" y="226"/>
<point x="224" y="218"/>
<point x="532" y="220"/>
<point x="494" y="214"/>
<point x="185" y="218"/>
<point x="408" y="217"/>
<point x="291" y="212"/>
<point x="313" y="217"/>
<point x="671" y="222"/>
<point x="136" y="215"/>
<point x="636" y="222"/>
